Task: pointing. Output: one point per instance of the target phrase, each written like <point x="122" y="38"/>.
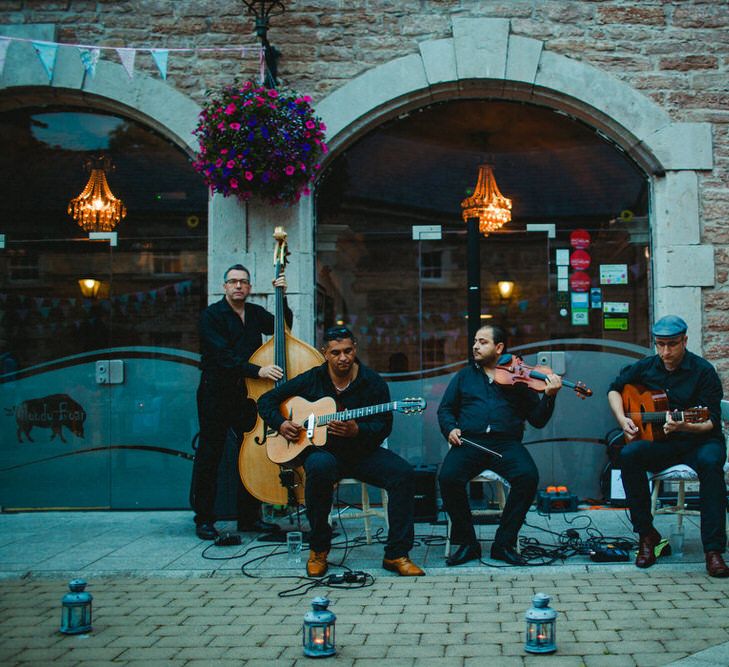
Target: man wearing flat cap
<point x="688" y="381"/>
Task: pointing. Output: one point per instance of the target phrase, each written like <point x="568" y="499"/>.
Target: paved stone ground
<point x="176" y="608"/>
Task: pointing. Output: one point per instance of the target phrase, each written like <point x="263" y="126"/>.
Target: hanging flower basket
<point x="258" y="141"/>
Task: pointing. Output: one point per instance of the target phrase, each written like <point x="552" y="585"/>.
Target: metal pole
<point x="473" y="276"/>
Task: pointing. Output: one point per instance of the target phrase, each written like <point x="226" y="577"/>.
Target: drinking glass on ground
<point x="293" y="544"/>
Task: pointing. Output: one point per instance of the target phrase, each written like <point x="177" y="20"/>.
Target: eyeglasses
<point x="234" y="281"/>
<point x="335" y="333"/>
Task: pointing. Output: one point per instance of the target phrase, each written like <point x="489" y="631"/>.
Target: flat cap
<point x="669" y="326"/>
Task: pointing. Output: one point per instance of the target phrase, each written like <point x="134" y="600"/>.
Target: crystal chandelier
<point x="492" y="209"/>
<point x="96" y="209"/>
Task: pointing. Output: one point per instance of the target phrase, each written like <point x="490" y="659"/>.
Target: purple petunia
<point x="267" y="143"/>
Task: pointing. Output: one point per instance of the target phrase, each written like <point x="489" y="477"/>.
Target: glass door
<point x="56" y="320"/>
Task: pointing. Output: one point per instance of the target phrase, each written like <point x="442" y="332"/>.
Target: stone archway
<point x="148" y="100"/>
<point x="513" y="67"/>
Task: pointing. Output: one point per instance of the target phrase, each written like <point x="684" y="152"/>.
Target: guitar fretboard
<point x="344" y="415"/>
<point x="657" y="417"/>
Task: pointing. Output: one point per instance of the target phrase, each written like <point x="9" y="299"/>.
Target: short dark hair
<point x="498" y="333"/>
<point x="337" y="333"/>
<point x="236" y="267"/>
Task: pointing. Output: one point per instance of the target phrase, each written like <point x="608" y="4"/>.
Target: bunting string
<point x="91" y="53"/>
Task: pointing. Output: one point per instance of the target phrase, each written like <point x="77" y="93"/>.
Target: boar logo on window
<point x="53" y="412"/>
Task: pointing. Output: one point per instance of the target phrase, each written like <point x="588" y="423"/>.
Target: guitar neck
<point x="344" y="415"/>
<point x="657" y="417"/>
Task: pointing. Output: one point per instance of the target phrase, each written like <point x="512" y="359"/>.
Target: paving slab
<point x="162" y="596"/>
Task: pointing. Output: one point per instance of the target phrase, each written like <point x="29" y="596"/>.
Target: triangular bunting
<point x="47" y="54"/>
<point x="89" y="58"/>
<point x="4" y="44"/>
<point x="127" y="57"/>
<point x="160" y="59"/>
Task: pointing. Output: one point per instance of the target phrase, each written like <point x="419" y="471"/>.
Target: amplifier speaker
<point x="426" y="504"/>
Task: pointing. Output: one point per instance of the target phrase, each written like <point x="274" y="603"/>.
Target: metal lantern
<point x="318" y="630"/>
<point x="76" y="609"/>
<point x="541" y="626"/>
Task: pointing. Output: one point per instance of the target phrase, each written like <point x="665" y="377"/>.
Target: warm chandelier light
<point x="492" y="209"/>
<point x="96" y="209"/>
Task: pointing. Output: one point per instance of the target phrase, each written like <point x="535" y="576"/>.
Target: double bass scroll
<point x="260" y="475"/>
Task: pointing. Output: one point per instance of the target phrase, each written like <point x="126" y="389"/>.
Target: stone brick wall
<point x="676" y="52"/>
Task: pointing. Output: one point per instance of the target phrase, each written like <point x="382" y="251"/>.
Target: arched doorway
<point x="97" y="382"/>
<point x="632" y="131"/>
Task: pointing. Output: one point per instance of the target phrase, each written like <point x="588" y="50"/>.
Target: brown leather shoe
<point x="403" y="566"/>
<point x="317" y="565"/>
<point x="715" y="565"/>
<point x="646" y="548"/>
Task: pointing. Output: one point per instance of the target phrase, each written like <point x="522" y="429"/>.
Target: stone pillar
<point x="243" y="233"/>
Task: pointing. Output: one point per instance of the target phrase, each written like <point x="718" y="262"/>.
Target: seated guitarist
<point x="352" y="449"/>
<point x="688" y="381"/>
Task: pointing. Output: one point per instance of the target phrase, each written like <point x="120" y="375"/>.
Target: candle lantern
<point x="541" y="626"/>
<point x="318" y="630"/>
<point x="76" y="609"/>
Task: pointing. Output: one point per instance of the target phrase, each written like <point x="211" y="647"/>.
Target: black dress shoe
<point x="206" y="531"/>
<point x="259" y="526"/>
<point x="508" y="554"/>
<point x="464" y="553"/>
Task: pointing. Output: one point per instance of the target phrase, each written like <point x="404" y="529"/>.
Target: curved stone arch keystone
<point x="513" y="67"/>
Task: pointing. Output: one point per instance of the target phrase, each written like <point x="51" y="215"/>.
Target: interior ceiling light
<point x="492" y="209"/>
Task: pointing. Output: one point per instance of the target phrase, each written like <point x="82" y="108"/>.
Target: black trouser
<point x="381" y="468"/>
<point x="463" y="463"/>
<point x="706" y="458"/>
<point x="220" y="408"/>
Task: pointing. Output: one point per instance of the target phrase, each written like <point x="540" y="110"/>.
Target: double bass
<point x="262" y="477"/>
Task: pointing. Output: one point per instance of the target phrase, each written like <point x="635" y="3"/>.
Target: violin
<point x="515" y="371"/>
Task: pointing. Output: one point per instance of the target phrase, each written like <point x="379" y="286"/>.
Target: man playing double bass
<point x="352" y="449"/>
<point x="231" y="330"/>
<point x="688" y="381"/>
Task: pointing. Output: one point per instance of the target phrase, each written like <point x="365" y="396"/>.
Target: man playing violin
<point x="477" y="408"/>
<point x="688" y="381"/>
<point x="231" y="330"/>
<point x="352" y="449"/>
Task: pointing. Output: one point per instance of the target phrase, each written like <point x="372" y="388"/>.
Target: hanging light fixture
<point x="96" y="209"/>
<point x="492" y="209"/>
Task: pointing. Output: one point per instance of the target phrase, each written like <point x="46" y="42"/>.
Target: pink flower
<point x="223" y="151"/>
<point x="247" y="103"/>
<point x="230" y="164"/>
<point x="234" y="183"/>
<point x="324" y="148"/>
<point x="230" y="109"/>
<point x="218" y="163"/>
<point x="289" y="170"/>
<point x="247" y="86"/>
<point x="310" y="124"/>
<point x="272" y="93"/>
<point x="249" y="175"/>
<point x="235" y="126"/>
<point x="221" y="126"/>
<point x="322" y="127"/>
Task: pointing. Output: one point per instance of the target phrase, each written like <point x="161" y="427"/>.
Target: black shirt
<point x="484" y="409"/>
<point x="694" y="383"/>
<point x="367" y="389"/>
<point x="227" y="343"/>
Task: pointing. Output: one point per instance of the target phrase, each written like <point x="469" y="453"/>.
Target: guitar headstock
<point x="696" y="415"/>
<point x="411" y="406"/>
